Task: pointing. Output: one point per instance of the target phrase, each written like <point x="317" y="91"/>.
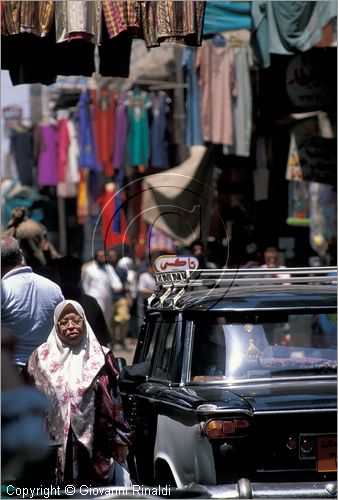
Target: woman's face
<point x="70" y="326"/>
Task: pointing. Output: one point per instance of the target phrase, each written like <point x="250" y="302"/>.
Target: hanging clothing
<point x="193" y="123"/>
<point x="226" y="16"/>
<point x="87" y="156"/>
<point x="168" y="197"/>
<point x="22" y="148"/>
<point x="62" y="152"/>
<point x="121" y="130"/>
<point x="215" y="61"/>
<point x="82" y="197"/>
<point x="46" y="142"/>
<point x="27" y="29"/>
<point x="288" y="27"/>
<point x="122" y="16"/>
<point x="104" y="127"/>
<point x="27" y="17"/>
<point x="158" y="141"/>
<point x="172" y="21"/>
<point x="77" y="26"/>
<point x="242" y="102"/>
<point x="139" y="103"/>
<point x="82" y="383"/>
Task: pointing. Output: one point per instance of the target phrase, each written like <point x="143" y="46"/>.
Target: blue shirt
<point x="28" y="301"/>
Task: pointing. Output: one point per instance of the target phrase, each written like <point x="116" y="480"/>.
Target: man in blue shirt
<point x="28" y="301"/>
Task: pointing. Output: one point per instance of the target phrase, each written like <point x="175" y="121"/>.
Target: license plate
<point x="327" y="454"/>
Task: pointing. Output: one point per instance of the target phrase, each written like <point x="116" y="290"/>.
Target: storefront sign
<point x="175" y="263"/>
<point x="12" y="116"/>
<point x="305" y="83"/>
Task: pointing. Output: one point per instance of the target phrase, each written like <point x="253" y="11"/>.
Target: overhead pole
<point x="179" y="106"/>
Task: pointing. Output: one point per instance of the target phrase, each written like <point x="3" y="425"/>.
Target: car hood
<point x="250" y="398"/>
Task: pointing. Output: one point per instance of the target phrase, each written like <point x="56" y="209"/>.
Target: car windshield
<point x="299" y="345"/>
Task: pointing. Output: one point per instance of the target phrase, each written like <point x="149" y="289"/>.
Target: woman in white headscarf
<point x="81" y="378"/>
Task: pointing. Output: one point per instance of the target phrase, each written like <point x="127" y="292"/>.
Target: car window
<point x="162" y="366"/>
<point x="301" y="344"/>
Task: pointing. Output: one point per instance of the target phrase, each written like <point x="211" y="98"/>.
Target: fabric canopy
<point x="178" y="201"/>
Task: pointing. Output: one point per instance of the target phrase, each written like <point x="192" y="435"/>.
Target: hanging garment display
<point x="111" y="211"/>
<point x="122" y="16"/>
<point x="288" y="27"/>
<point x="62" y="150"/>
<point x="138" y="146"/>
<point x="193" y="123"/>
<point x="77" y="27"/>
<point x="178" y="201"/>
<point x="27" y="29"/>
<point x="226" y="16"/>
<point x="172" y="21"/>
<point x="87" y="156"/>
<point x="45" y="144"/>
<point x="114" y="53"/>
<point x="298" y="204"/>
<point x="158" y="141"/>
<point x="215" y="61"/>
<point x="22" y="149"/>
<point x="27" y="17"/>
<point x="104" y="127"/>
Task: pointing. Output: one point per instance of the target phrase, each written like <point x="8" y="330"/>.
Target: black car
<point x="233" y="383"/>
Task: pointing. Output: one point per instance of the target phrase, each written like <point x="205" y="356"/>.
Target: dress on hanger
<point x="138" y="135"/>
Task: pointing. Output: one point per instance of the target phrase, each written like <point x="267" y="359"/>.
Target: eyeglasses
<point x="77" y="320"/>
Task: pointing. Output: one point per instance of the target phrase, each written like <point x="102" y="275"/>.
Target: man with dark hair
<point x="28" y="301"/>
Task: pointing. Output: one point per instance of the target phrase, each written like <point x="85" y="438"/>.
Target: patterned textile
<point x="156" y="21"/>
<point x="79" y="16"/>
<point x="26" y="17"/>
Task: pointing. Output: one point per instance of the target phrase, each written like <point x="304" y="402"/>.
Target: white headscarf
<point x="67" y="374"/>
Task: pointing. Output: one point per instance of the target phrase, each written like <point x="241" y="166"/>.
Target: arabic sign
<point x="175" y="263"/>
<point x="312" y="158"/>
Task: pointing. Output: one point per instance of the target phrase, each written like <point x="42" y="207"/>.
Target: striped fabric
<point x="173" y="21"/>
<point x="156" y="21"/>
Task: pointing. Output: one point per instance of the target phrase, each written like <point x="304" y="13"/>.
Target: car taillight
<point x="216" y="429"/>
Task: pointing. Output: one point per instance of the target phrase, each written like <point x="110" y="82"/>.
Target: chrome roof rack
<point x="252" y="276"/>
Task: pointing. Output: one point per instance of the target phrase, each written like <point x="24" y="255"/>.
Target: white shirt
<point x="28" y="301"/>
<point x="146" y="283"/>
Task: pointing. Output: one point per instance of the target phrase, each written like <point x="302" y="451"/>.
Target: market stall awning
<point x="178" y="201"/>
